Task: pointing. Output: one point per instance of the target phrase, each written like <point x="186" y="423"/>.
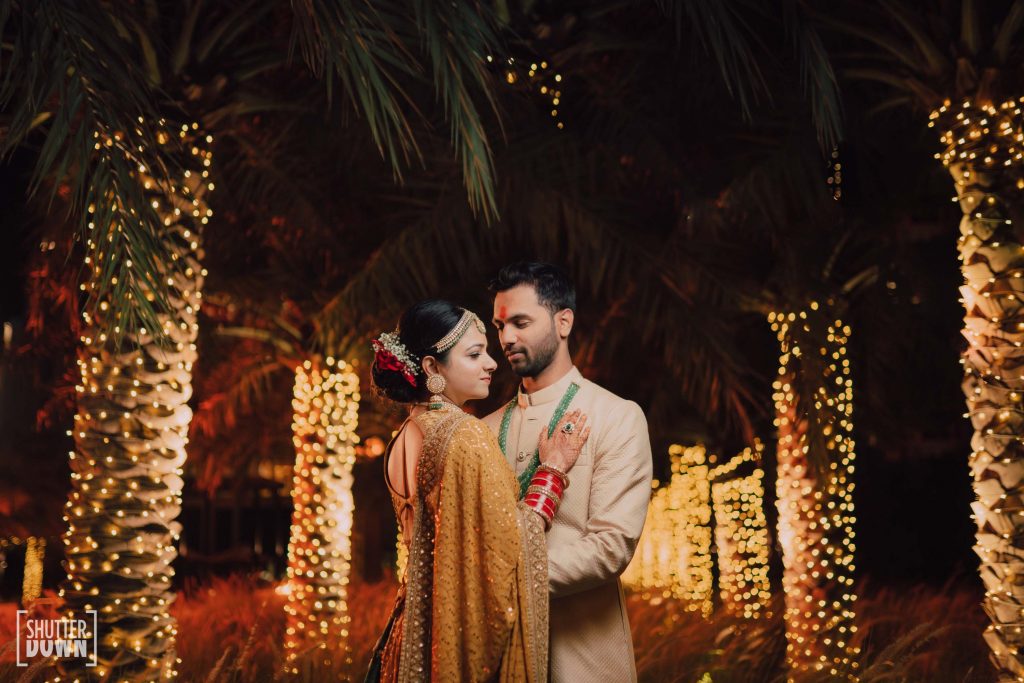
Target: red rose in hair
<point x="385" y="360"/>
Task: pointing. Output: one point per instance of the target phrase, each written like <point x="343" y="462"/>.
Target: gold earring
<point x="436" y="385"/>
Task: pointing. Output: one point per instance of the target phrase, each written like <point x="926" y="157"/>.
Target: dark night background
<point x="684" y="206"/>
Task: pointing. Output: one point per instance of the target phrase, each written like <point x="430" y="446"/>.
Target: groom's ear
<point x="563" y="322"/>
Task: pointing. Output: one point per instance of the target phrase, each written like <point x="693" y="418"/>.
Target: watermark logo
<point x="63" y="638"/>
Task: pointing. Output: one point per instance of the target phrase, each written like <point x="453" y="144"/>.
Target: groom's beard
<point x="535" y="360"/>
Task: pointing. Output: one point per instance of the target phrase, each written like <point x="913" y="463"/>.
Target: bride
<point x="473" y="605"/>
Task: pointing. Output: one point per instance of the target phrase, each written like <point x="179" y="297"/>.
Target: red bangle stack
<point x="545" y="492"/>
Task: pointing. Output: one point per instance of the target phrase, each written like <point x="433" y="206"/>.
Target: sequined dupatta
<point x="414" y="658"/>
<point x="476" y="594"/>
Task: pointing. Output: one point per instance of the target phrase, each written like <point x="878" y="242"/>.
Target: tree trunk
<point x="813" y="396"/>
<point x="130" y="433"/>
<point x="741" y="534"/>
<point x="983" y="155"/>
<point x="673" y="554"/>
<point x="326" y="411"/>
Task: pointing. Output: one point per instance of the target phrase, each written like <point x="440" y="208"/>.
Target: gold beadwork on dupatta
<point x="474" y="605"/>
<point x="414" y="660"/>
<point x="534" y="579"/>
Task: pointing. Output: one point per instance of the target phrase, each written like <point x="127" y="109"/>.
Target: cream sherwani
<point x="596" y="529"/>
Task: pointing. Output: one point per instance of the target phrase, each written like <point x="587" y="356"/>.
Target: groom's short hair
<point x="554" y="289"/>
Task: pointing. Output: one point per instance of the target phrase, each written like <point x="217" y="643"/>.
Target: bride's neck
<point x="420" y="408"/>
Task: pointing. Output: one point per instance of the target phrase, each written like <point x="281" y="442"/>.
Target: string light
<point x="813" y="396"/>
<point x="540" y="78"/>
<point x="835" y="179"/>
<point x="326" y="412"/>
<point x="983" y="152"/>
<point x="32" y="579"/>
<point x="131" y="430"/>
<point x="741" y="534"/>
<point x="32" y="584"/>
<point x="673" y="555"/>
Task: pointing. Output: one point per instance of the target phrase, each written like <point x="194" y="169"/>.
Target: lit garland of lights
<point x="32" y="584"/>
<point x="741" y="534"/>
<point x="674" y="551"/>
<point x="326" y="413"/>
<point x="540" y="76"/>
<point x="32" y="577"/>
<point x="984" y="151"/>
<point x="813" y="397"/>
<point x="835" y="179"/>
<point x="130" y="434"/>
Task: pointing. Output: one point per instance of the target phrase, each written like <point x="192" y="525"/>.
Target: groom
<point x="595" y="532"/>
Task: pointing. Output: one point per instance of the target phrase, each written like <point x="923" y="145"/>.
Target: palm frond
<point x="607" y="261"/>
<point x="355" y="42"/>
<point x="782" y="183"/>
<point x="1008" y="30"/>
<point x="224" y="36"/>
<point x="721" y="30"/>
<point x="916" y="87"/>
<point x="183" y="43"/>
<point x="816" y="75"/>
<point x="69" y="61"/>
<point x="898" y="102"/>
<point x="245" y="381"/>
<point x="888" y="43"/>
<point x="970" y="26"/>
<point x="455" y="36"/>
<point x="371" y="47"/>
<point x="935" y="60"/>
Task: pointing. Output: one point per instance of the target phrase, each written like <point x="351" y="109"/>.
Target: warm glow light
<point x="741" y="534"/>
<point x="32" y="584"/>
<point x="813" y="396"/>
<point x="540" y="78"/>
<point x="673" y="556"/>
<point x="32" y="576"/>
<point x="131" y="431"/>
<point x="983" y="152"/>
<point x="326" y="411"/>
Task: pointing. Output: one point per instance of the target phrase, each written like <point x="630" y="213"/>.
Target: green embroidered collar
<point x="506" y="419"/>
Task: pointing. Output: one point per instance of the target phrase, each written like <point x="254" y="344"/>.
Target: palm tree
<point x="259" y="346"/>
<point x="958" y="64"/>
<point x="130" y="434"/>
<point x="325" y="415"/>
<point x="814" y="404"/>
<point x="320" y="547"/>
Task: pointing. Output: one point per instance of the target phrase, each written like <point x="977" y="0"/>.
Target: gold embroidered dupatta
<point x="476" y="588"/>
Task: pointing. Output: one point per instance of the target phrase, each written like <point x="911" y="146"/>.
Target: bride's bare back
<point x="402" y="458"/>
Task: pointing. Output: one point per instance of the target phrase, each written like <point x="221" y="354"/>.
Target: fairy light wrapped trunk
<point x="741" y="534"/>
<point x="984" y="150"/>
<point x="813" y="397"/>
<point x="674" y="552"/>
<point x="130" y="434"/>
<point x="32" y="581"/>
<point x="326" y="410"/>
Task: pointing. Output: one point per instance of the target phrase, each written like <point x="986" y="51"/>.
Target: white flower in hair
<point x="391" y="354"/>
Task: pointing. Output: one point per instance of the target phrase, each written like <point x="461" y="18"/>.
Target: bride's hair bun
<point x="421" y="326"/>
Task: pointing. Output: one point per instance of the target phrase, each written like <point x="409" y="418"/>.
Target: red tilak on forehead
<point x="502" y="313"/>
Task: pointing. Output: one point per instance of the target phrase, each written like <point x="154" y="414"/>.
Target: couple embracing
<point x="517" y="526"/>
